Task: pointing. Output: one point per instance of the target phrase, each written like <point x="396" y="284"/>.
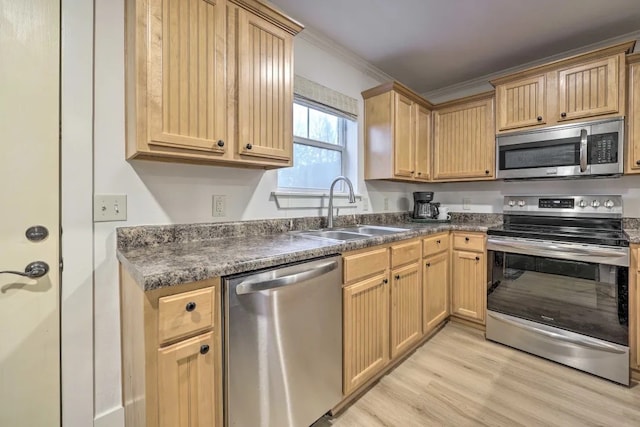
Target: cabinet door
<point x="365" y="330"/>
<point x="403" y="137"/>
<point x="634" y="317"/>
<point x="589" y="89"/>
<point x="464" y="141"/>
<point x="406" y="308"/>
<point x="521" y="103"/>
<point x="633" y="120"/>
<point x="186" y="75"/>
<point x="469" y="285"/>
<point x="435" y="279"/>
<point x="422" y="143"/>
<point x="265" y="92"/>
<point x="186" y="391"/>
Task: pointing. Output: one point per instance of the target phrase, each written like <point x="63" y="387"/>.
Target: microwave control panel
<point x="603" y="148"/>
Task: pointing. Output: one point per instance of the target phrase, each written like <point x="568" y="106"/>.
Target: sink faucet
<point x="352" y="198"/>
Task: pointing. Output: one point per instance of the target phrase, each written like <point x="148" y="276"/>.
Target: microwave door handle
<point x="583" y="150"/>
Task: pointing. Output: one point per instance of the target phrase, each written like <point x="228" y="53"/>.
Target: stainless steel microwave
<point x="566" y="151"/>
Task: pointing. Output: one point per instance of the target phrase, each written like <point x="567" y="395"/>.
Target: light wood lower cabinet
<point x="406" y="308"/>
<point x="435" y="279"/>
<point x="171" y="354"/>
<point x="365" y="330"/>
<point x="186" y="383"/>
<point x="469" y="277"/>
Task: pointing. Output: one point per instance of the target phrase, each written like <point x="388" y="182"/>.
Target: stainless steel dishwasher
<point x="283" y="344"/>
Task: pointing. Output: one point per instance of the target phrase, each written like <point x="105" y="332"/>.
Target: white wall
<point x="160" y="193"/>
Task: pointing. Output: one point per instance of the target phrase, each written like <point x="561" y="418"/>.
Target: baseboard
<point x="635" y="374"/>
<point x="112" y="418"/>
<point x="469" y="323"/>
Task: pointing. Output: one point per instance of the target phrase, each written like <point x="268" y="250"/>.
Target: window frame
<point x="341" y="147"/>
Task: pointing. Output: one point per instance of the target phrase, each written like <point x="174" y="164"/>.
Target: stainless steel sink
<point x="351" y="233"/>
<point x="335" y="235"/>
<point x="373" y="230"/>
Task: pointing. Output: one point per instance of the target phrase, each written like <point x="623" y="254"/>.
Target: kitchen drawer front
<point x="184" y="314"/>
<point x="435" y="244"/>
<point x="469" y="242"/>
<point x="405" y="253"/>
<point x="365" y="264"/>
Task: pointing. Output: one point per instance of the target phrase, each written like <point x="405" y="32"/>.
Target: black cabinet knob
<point x="563" y="114"/>
<point x="220" y="143"/>
<point x="249" y="146"/>
<point x="397" y="277"/>
<point x="190" y="306"/>
<point x="413" y="172"/>
<point x="477" y="258"/>
<point x="204" y="349"/>
<point x="428" y="264"/>
<point x="486" y="172"/>
<point x="385" y="281"/>
<point x="419" y="173"/>
<point x="466" y="239"/>
<point x="438" y="241"/>
<point x="539" y="118"/>
<point x="638" y="162"/>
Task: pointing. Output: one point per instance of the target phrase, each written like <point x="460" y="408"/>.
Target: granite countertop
<point x="634" y="235"/>
<point x="176" y="262"/>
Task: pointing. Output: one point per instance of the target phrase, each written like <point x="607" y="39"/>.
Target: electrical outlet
<point x="108" y="207"/>
<point x="386" y="203"/>
<point x="466" y="204"/>
<point x="365" y="204"/>
<point x="219" y="206"/>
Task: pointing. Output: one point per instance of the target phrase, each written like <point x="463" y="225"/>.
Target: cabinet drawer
<point x="365" y="264"/>
<point x="435" y="244"/>
<point x="186" y="313"/>
<point x="405" y="253"/>
<point x="469" y="242"/>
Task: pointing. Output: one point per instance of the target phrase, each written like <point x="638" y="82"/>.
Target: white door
<point x="29" y="196"/>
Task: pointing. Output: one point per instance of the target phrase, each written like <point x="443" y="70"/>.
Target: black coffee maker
<point x="423" y="207"/>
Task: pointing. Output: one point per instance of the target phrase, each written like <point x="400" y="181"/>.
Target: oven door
<point x="578" y="288"/>
<point x="562" y="151"/>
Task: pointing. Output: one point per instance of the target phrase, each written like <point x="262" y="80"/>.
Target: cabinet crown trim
<point x="399" y="88"/>
<point x="468" y="99"/>
<point x="625" y="47"/>
<point x="271" y="14"/>
<point x="633" y="58"/>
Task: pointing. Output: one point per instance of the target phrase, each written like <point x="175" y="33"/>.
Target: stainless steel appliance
<point x="283" y="344"/>
<point x="566" y="151"/>
<point x="558" y="272"/>
<point x="423" y="207"/>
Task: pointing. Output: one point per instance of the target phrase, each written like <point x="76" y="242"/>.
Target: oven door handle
<point x="583" y="150"/>
<point x="582" y="342"/>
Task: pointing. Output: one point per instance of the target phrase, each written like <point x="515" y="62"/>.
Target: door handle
<point x="583" y="150"/>
<point x="33" y="270"/>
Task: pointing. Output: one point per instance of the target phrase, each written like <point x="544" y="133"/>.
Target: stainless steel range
<point x="558" y="282"/>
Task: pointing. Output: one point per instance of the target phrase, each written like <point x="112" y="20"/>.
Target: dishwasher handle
<point x="250" y="286"/>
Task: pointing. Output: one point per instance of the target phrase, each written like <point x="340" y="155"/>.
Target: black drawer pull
<point x="204" y="349"/>
<point x="563" y="114"/>
<point x="249" y="146"/>
<point x="190" y="306"/>
<point x="466" y="239"/>
<point x="220" y="143"/>
<point x="539" y="118"/>
<point x="477" y="258"/>
<point x="385" y="281"/>
<point x="438" y="241"/>
<point x="397" y="277"/>
<point x="428" y="264"/>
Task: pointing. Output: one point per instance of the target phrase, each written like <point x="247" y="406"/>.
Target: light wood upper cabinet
<point x="435" y="279"/>
<point x="207" y="78"/>
<point x="632" y="160"/>
<point x="265" y="89"/>
<point x="589" y="85"/>
<point x="406" y="308"/>
<point x="521" y="103"/>
<point x="397" y="134"/>
<point x="469" y="277"/>
<point x="365" y="330"/>
<point x="186" y="383"/>
<point x="403" y="137"/>
<point x="464" y="139"/>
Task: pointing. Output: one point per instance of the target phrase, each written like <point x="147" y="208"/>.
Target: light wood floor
<point x="459" y="379"/>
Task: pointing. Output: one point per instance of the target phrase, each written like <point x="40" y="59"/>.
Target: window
<point x="319" y="141"/>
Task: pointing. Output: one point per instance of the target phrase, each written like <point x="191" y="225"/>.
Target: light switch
<point x="109" y="207"/>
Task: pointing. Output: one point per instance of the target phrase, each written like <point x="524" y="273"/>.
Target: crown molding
<point x="323" y="42"/>
<point x="481" y="84"/>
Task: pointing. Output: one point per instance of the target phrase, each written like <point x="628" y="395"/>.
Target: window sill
<point x="312" y="200"/>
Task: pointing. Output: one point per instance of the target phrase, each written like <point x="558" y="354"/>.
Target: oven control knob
<point x="609" y="204"/>
<point x="521" y="203"/>
<point x="595" y="203"/>
<point x="582" y="204"/>
<point x="512" y="203"/>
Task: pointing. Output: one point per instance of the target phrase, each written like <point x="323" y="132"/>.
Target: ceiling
<point x="431" y="44"/>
